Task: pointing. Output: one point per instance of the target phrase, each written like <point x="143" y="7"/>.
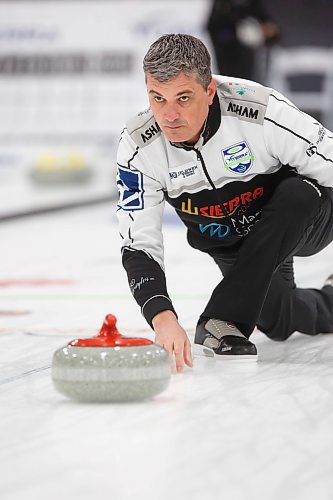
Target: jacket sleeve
<point x="298" y="140"/>
<point x="139" y="211"/>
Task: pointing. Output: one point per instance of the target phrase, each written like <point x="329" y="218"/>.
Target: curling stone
<point x="58" y="169"/>
<point x="111" y="367"/>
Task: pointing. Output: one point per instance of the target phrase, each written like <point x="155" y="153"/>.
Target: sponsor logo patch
<point x="238" y="158"/>
<point x="219" y="230"/>
<point x="243" y="111"/>
<point x="224" y="209"/>
<point x="136" y="285"/>
<point x="312" y="149"/>
<point x="240" y="88"/>
<point x="150" y="132"/>
<point x="130" y="187"/>
<point x="186" y="172"/>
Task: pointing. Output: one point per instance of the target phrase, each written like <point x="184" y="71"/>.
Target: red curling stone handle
<point x="109" y="336"/>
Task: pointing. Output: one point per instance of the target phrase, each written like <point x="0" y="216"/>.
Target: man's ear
<point x="211" y="90"/>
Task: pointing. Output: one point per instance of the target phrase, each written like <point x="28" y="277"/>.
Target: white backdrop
<point x="70" y="75"/>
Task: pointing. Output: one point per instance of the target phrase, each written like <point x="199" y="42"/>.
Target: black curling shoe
<point x="222" y="340"/>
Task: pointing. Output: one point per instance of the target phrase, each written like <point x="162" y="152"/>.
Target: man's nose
<point x="171" y="113"/>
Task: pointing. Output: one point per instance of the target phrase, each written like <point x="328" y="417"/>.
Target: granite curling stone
<point x="59" y="168"/>
<point x="111" y="367"/>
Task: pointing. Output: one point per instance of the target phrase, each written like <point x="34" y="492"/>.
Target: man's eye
<point x="158" y="98"/>
<point x="184" y="98"/>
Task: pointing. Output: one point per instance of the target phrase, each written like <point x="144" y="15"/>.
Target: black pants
<point x="258" y="287"/>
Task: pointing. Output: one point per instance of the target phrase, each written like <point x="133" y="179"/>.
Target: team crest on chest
<point x="238" y="158"/>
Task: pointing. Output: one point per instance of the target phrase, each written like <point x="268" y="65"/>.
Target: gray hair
<point x="172" y="54"/>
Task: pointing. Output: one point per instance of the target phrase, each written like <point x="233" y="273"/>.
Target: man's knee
<point x="297" y="196"/>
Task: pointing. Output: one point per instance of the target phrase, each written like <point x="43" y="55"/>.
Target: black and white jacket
<point x="253" y="138"/>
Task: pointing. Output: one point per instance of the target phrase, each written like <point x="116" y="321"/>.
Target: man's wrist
<point x="163" y="316"/>
<point x="154" y="305"/>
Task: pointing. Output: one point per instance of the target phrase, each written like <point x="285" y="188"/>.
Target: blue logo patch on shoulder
<point x="238" y="158"/>
<point x="130" y="187"/>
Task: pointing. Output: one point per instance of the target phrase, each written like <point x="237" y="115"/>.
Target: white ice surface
<point x="220" y="431"/>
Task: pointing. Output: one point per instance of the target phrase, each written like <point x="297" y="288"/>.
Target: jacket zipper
<point x="202" y="161"/>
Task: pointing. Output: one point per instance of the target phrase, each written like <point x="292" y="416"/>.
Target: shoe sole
<point x="203" y="351"/>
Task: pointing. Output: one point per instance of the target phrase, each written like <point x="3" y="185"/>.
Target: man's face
<point x="180" y="106"/>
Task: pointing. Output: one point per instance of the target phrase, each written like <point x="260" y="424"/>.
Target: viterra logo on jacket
<point x="238" y="158"/>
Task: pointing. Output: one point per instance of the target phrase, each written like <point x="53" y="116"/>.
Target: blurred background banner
<point x="70" y="76"/>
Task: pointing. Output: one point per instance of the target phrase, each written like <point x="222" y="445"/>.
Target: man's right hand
<point x="170" y="335"/>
